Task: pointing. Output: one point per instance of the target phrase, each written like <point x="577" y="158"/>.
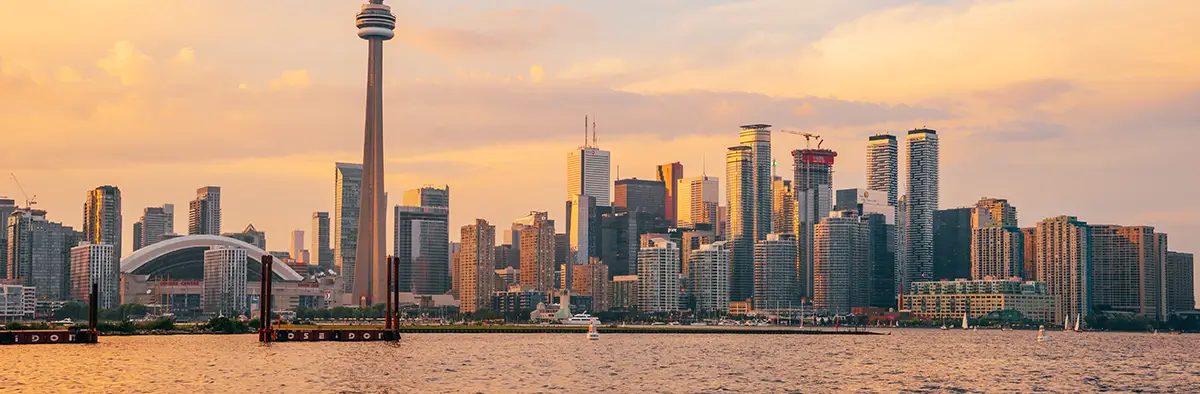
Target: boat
<point x="581" y="320"/>
<point x="1067" y="324"/>
<point x="592" y="334"/>
<point x="964" y="323"/>
<point x="63" y="322"/>
<point x="1077" y="319"/>
<point x="1041" y="334"/>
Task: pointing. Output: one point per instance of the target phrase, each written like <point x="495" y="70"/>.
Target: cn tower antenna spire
<point x="594" y="131"/>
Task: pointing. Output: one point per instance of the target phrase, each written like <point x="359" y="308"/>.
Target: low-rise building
<point x="17" y="302"/>
<point x="952" y="299"/>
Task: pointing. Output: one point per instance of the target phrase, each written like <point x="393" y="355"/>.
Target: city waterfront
<point x="909" y="359"/>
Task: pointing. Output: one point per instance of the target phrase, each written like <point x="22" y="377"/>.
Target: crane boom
<point x="29" y="201"/>
<point x="808" y="137"/>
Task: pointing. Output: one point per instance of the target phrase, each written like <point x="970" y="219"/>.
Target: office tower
<point x="698" y="199"/>
<point x="224" y="282"/>
<point x="758" y="138"/>
<point x="658" y="277"/>
<point x="990" y="211"/>
<point x="775" y="273"/>
<point x="422" y="244"/>
<point x="154" y="225"/>
<point x="691" y="241"/>
<point x="102" y="217"/>
<point x="901" y="244"/>
<point x="1179" y="288"/>
<point x="204" y="213"/>
<point x="783" y="216"/>
<point x="322" y="253"/>
<point x="669" y="175"/>
<point x="621" y="232"/>
<point x="813" y="184"/>
<point x="346" y="200"/>
<point x="739" y="186"/>
<point x="1126" y="270"/>
<point x="841" y="263"/>
<point x="1064" y="262"/>
<point x="708" y="277"/>
<point x="504" y="256"/>
<point x="588" y="173"/>
<point x="997" y="252"/>
<point x="297" y="247"/>
<point x="477" y="262"/>
<point x="7" y="206"/>
<point x="39" y="252"/>
<point x="637" y="195"/>
<point x="1029" y="247"/>
<point x="251" y="236"/>
<point x="951" y="244"/>
<point x="579" y="229"/>
<point x="591" y="280"/>
<point x="95" y="264"/>
<point x="428" y="196"/>
<point x="535" y="235"/>
<point x="722" y="226"/>
<point x="562" y="248"/>
<point x="922" y="202"/>
<point x="882" y="166"/>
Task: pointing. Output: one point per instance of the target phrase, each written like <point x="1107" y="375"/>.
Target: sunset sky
<point x="1086" y="108"/>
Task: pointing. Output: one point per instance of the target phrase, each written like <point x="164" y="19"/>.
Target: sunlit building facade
<point x="658" y="276"/>
<point x="922" y="191"/>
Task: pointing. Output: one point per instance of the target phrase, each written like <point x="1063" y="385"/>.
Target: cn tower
<point x="375" y="24"/>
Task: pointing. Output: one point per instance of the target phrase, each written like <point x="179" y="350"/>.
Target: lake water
<point x="909" y="360"/>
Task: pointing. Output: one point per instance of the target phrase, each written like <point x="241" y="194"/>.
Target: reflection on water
<point x="920" y="360"/>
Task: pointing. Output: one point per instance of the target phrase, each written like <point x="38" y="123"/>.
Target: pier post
<point x="391" y="286"/>
<point x="264" y="301"/>
<point x="93" y="313"/>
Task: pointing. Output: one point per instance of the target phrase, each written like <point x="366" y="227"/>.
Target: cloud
<point x="1023" y="132"/>
<point x="536" y="73"/>
<point x="126" y="62"/>
<point x="185" y="56"/>
<point x="291" y="79"/>
<point x="504" y="31"/>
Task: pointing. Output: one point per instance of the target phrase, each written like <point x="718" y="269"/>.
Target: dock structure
<point x="68" y="335"/>
<point x="390" y="332"/>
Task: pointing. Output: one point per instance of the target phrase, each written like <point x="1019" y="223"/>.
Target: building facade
<point x="624" y="292"/>
<point x="637" y="195"/>
<point x="428" y="196"/>
<point x="224" y="282"/>
<point x="951" y="300"/>
<point x="346" y="201"/>
<point x="739" y="184"/>
<point x="922" y="191"/>
<point x="997" y="251"/>
<point x="758" y="138"/>
<point x="813" y="181"/>
<point x="422" y="244"/>
<point x="204" y="213"/>
<point x="592" y="280"/>
<point x="783" y="217"/>
<point x="102" y="217"/>
<point x="1127" y="268"/>
<point x="708" y="277"/>
<point x="1180" y="286"/>
<point x="698" y="198"/>
<point x="321" y="251"/>
<point x="39" y="253"/>
<point x="951" y="244"/>
<point x="95" y="264"/>
<point x="534" y="243"/>
<point x="1064" y="262"/>
<point x="670" y="174"/>
<point x="841" y="263"/>
<point x="883" y="166"/>
<point x="589" y="173"/>
<point x="7" y="206"/>
<point x="993" y="212"/>
<point x="477" y="261"/>
<point x="775" y="273"/>
<point x="658" y="277"/>
<point x="154" y="225"/>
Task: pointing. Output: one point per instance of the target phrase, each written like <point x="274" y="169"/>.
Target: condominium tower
<point x="813" y="184"/>
<point x="775" y="273"/>
<point x="347" y="185"/>
<point x="1064" y="262"/>
<point x="841" y="263"/>
<point x="154" y="225"/>
<point x="739" y="186"/>
<point x="1127" y="267"/>
<point x="102" y="218"/>
<point x="708" y="277"/>
<point x="95" y="264"/>
<point x="697" y="198"/>
<point x="534" y="243"/>
<point x="922" y="200"/>
<point x="658" y="276"/>
<point x="321" y="251"/>
<point x="224" y="282"/>
<point x="758" y="138"/>
<point x="477" y="261"/>
<point x="882" y="166"/>
<point x="204" y="213"/>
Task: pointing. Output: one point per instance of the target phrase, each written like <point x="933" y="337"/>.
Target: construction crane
<point x="29" y="201"/>
<point x="808" y="137"/>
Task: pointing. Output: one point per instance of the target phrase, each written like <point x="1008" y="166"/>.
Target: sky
<point x="1064" y="107"/>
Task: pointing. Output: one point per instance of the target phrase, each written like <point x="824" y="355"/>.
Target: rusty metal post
<point x="264" y="301"/>
<point x="93" y="312"/>
<point x="387" y="304"/>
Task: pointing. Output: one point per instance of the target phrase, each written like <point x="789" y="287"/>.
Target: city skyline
<point x="1042" y="113"/>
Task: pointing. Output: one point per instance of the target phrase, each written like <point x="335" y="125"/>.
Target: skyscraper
<point x="951" y="243"/>
<point x="739" y="186"/>
<point x="775" y="273"/>
<point x="204" y="213"/>
<point x="1127" y="268"/>
<point x="477" y="262"/>
<point x="783" y="216"/>
<point x="428" y="196"/>
<point x="7" y="206"/>
<point x="375" y="24"/>
<point x="882" y="166"/>
<point x="669" y="175"/>
<point x="758" y="138"/>
<point x="638" y="195"/>
<point x="321" y="252"/>
<point x="224" y="282"/>
<point x="102" y="218"/>
<point x="997" y="252"/>
<point x="1030" y="244"/>
<point x="588" y="173"/>
<point x="658" y="276"/>
<point x="813" y="183"/>
<point x="580" y="216"/>
<point x="708" y="276"/>
<point x="347" y="187"/>
<point x="993" y="211"/>
<point x="39" y="252"/>
<point x="95" y="264"/>
<point x="422" y="244"/>
<point x="154" y="225"/>
<point x="591" y="280"/>
<point x="879" y="217"/>
<point x="1064" y="262"/>
<point x="535" y="235"/>
<point x="841" y="263"/>
<point x="1179" y="289"/>
<point x="297" y="246"/>
<point x="697" y="199"/>
<point x="922" y="193"/>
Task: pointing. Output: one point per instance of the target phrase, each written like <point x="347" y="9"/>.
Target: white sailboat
<point x="1067" y="324"/>
<point x="964" y="323"/>
<point x="592" y="334"/>
<point x="1041" y="334"/>
<point x="1077" y="319"/>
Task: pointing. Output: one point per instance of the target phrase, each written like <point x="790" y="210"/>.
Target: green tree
<point x="73" y="310"/>
<point x="127" y="311"/>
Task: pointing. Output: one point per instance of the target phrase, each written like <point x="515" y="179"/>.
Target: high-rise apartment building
<point x="883" y="166"/>
<point x="708" y="277"/>
<point x="428" y="196"/>
<point x="1180" y="286"/>
<point x="320" y="249"/>
<point x="758" y="138"/>
<point x="783" y="206"/>
<point x="39" y="252"/>
<point x="637" y="195"/>
<point x="1029" y="244"/>
<point x="775" y="273"/>
<point x="589" y="173"/>
<point x="346" y="200"/>
<point x="901" y="243"/>
<point x="1064" y="262"/>
<point x="204" y="213"/>
<point x="670" y="174"/>
<point x="697" y="200"/>
<point x="951" y="243"/>
<point x="922" y="191"/>
<point x="154" y="225"/>
<point x="7" y="206"/>
<point x="624" y="292"/>
<point x="691" y="241"/>
<point x="591" y="280"/>
<point x="91" y="263"/>
<point x="872" y="206"/>
<point x="813" y="184"/>
<point x="1127" y="268"/>
<point x="536" y="240"/>
<point x="477" y="262"/>
<point x="102" y="217"/>
<point x="658" y="276"/>
<point x="422" y="244"/>
<point x="296" y="249"/>
<point x="224" y="291"/>
<point x="993" y="211"/>
<point x="739" y="185"/>
<point x="997" y="252"/>
<point x="841" y="263"/>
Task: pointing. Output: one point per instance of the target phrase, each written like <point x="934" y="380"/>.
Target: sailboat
<point x="1067" y="324"/>
<point x="592" y="334"/>
<point x="944" y="323"/>
<point x="1041" y="334"/>
<point x="964" y="323"/>
<point x="1077" y="319"/>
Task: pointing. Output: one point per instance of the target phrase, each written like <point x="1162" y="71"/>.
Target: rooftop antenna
<point x="585" y="122"/>
<point x="594" y="131"/>
<point x="704" y="165"/>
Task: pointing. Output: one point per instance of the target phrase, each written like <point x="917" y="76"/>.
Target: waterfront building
<point x="95" y="264"/>
<point x="690" y="241"/>
<point x="7" y="206"/>
<point x="658" y="276"/>
<point x="1064" y="262"/>
<point x="534" y="243"/>
<point x="153" y="226"/>
<point x="204" y="213"/>
<point x="951" y="244"/>
<point x="477" y="262"/>
<point x="102" y="217"/>
<point x="516" y="300"/>
<point x="39" y="253"/>
<point x="997" y="251"/>
<point x="1029" y="245"/>
<point x="883" y="166"/>
<point x="422" y="242"/>
<point x="592" y="280"/>
<point x="757" y="137"/>
<point x="1180" y="285"/>
<point x="1127" y="267"/>
<point x="739" y="184"/>
<point x="17" y="301"/>
<point x="347" y="188"/>
<point x="950" y="300"/>
<point x="624" y="292"/>
<point x="813" y="183"/>
<point x="775" y="273"/>
<point x="670" y="174"/>
<point x="698" y="198"/>
<point x="621" y="232"/>
<point x="872" y="206"/>
<point x="922" y="172"/>
<point x="321" y="251"/>
<point x="224" y="282"/>
<point x="708" y="277"/>
<point x="841" y="263"/>
<point x="636" y="195"/>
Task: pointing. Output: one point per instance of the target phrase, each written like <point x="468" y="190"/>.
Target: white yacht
<point x="581" y="319"/>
